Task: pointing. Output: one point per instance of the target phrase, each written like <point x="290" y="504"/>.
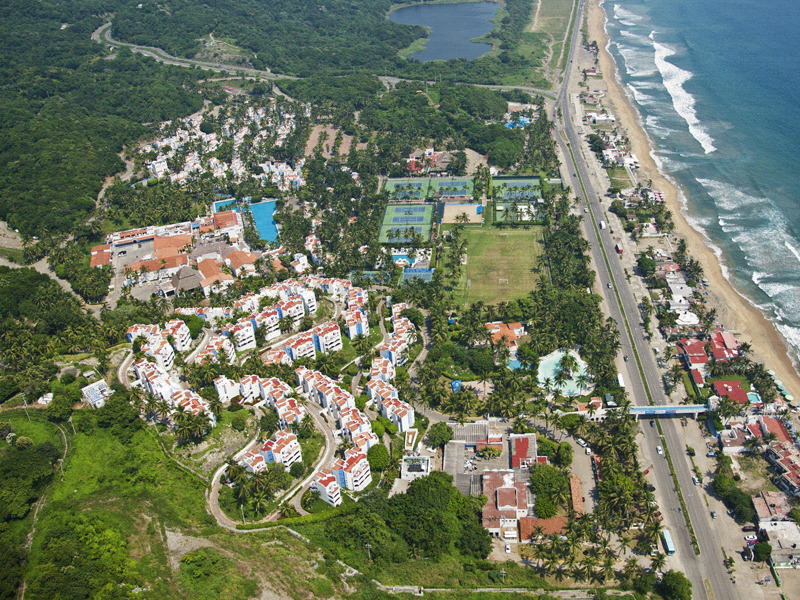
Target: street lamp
<point x="368" y="546"/>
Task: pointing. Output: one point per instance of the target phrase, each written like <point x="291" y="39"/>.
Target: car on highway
<point x="585" y="210"/>
<point x="608" y="285"/>
<point x="659" y="449"/>
<point x="652" y="423"/>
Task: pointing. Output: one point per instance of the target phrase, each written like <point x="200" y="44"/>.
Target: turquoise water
<point x="262" y="216"/>
<point x="452" y="26"/>
<point x="548" y="367"/>
<point x="715" y="85"/>
<point x="514" y="364"/>
<point x="754" y="398"/>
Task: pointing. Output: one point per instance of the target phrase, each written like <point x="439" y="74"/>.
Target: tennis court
<point x="511" y="189"/>
<point x="400" y="219"/>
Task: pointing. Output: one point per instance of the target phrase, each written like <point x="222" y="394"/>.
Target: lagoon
<point x="452" y="26"/>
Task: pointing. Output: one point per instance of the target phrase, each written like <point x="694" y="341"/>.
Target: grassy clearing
<point x="38" y="430"/>
<point x="494" y="255"/>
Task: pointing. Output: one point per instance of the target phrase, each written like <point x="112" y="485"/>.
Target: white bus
<point x="620" y="380"/>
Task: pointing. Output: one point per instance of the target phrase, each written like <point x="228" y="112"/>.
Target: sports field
<point x="401" y="217"/>
<point x="500" y="264"/>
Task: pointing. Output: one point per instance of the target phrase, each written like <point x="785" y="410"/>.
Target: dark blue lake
<point x="452" y="26"/>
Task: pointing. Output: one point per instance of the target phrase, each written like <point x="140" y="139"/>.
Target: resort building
<point x="328" y="487"/>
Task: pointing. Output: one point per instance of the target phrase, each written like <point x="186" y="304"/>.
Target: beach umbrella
<point x="789" y="398"/>
<point x="782" y="388"/>
<point x="779" y="383"/>
<point x="771" y="372"/>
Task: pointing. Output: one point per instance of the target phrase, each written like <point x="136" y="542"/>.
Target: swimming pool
<point x="754" y="398"/>
<point x="265" y="223"/>
<point x="549" y="367"/>
<point x="262" y="215"/>
<point x="514" y="364"/>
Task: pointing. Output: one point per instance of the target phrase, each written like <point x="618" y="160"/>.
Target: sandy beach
<point x="733" y="310"/>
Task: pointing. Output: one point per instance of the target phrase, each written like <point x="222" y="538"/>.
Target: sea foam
<point x="674" y="77"/>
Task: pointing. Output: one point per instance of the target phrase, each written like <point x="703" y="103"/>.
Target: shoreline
<point x="734" y="310"/>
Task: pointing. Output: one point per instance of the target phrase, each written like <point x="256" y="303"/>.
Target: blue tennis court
<point x="411" y="219"/>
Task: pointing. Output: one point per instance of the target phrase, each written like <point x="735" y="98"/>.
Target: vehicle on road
<point x="751" y="538"/>
<point x="669" y="547"/>
<point x="696" y="480"/>
<point x="748" y="528"/>
<point x="608" y="285"/>
<point x="652" y="423"/>
<point x="586" y="210"/>
<point x="713" y="514"/>
<point x="659" y="449"/>
<point x="625" y="358"/>
<point x="602" y="224"/>
<point x="582" y="443"/>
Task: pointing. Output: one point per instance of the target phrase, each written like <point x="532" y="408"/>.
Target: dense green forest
<point x="66" y="112"/>
<point x="309" y="37"/>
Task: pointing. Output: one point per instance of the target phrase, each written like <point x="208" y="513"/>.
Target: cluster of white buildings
<point x="282" y="448"/>
<point x="160" y="343"/>
<point x="395" y="349"/>
<point x="384" y="396"/>
<point x="351" y="472"/>
<point x="261" y="391"/>
<point x="157" y="381"/>
<point x="188" y="148"/>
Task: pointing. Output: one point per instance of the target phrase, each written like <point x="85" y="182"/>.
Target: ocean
<point x="714" y="82"/>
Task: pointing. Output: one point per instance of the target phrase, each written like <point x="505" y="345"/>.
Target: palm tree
<point x="658" y="561"/>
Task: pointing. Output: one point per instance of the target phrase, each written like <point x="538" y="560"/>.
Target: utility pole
<point x="503" y="575"/>
<point x="368" y="546"/>
<point x="25" y="404"/>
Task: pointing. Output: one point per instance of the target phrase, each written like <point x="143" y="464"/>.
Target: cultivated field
<point x="500" y="264"/>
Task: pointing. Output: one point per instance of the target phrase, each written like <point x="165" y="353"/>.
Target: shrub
<point x="378" y="428"/>
<point x="761" y="551"/>
<point x="297" y="470"/>
<point x="544" y="507"/>
<point x="239" y="421"/>
<point x="378" y="457"/>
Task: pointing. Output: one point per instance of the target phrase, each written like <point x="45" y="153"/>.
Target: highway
<point x="706" y="569"/>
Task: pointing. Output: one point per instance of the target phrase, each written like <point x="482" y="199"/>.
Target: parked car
<point x="508" y="548"/>
<point x="713" y="514"/>
<point x="582" y="443"/>
<point x="696" y="480"/>
<point x="751" y="538"/>
<point x="652" y="423"/>
<point x="588" y="451"/>
<point x="749" y="528"/>
<point x="659" y="449"/>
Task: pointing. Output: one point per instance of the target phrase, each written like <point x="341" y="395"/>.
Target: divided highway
<point x="707" y="572"/>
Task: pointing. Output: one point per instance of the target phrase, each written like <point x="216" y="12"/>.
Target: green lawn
<point x="500" y="264"/>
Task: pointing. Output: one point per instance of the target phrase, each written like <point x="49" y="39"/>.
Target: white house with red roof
<point x="356" y="322"/>
<point x="394" y="349"/>
<point x="143" y="331"/>
<point x="193" y="404"/>
<point x="382" y="368"/>
<point x="161" y="350"/>
<point x="227" y="389"/>
<point x="694" y="354"/>
<point x="365" y="440"/>
<point x="282" y="447"/>
<point x="352" y="472"/>
<point x="327" y="337"/>
<point x="523" y="450"/>
<point x="328" y="487"/>
<point x="214" y="348"/>
<point x="276" y="357"/>
<point x="270" y="320"/>
<point x="181" y="336"/>
<point x="242" y="333"/>
<point x="352" y="421"/>
<point x="300" y="346"/>
<point x="508" y="501"/>
<point x="154" y="380"/>
<point x="293" y="308"/>
<point x="512" y="332"/>
<point x="785" y="457"/>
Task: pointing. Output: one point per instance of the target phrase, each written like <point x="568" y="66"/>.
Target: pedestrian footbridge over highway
<point x="668" y="410"/>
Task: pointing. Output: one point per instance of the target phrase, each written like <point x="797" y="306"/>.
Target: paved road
<point x="620" y="301"/>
